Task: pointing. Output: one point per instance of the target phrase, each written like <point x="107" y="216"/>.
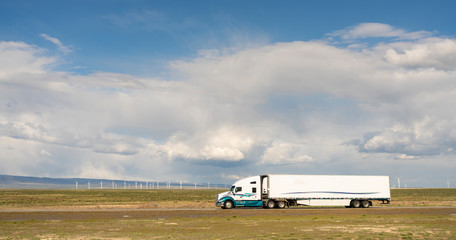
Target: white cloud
<point x="405" y="157"/>
<point x="233" y="177"/>
<point x="437" y="53"/>
<point x="227" y="143"/>
<point x="286" y="153"/>
<point x="58" y="43"/>
<point x="378" y="30"/>
<point x="284" y="108"/>
<point x="45" y="153"/>
<point x="20" y="58"/>
<point x="26" y="130"/>
<point x="428" y="136"/>
<point x="112" y="144"/>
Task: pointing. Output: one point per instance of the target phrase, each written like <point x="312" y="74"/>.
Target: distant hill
<point x="21" y="182"/>
<point x="25" y="182"/>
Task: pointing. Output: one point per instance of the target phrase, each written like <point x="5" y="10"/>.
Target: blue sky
<point x="130" y="36"/>
<point x="217" y="90"/>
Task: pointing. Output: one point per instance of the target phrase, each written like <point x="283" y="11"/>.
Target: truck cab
<point x="245" y="192"/>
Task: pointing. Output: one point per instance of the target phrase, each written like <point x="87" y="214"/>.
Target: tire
<point x="281" y="204"/>
<point x="270" y="204"/>
<point x="228" y="204"/>
<point x="355" y="204"/>
<point x="365" y="204"/>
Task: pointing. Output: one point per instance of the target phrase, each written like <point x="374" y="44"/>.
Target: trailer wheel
<point x="270" y="204"/>
<point x="281" y="204"/>
<point x="355" y="204"/>
<point x="365" y="204"/>
<point x="228" y="204"/>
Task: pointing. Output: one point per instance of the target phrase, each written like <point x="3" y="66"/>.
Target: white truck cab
<point x="245" y="192"/>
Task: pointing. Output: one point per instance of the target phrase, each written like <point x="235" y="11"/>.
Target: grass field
<point x="179" y="198"/>
<point x="125" y="214"/>
<point x="107" y="198"/>
<point x="424" y="197"/>
<point x="235" y="224"/>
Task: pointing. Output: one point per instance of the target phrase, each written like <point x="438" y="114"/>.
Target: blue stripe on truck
<point x="227" y="198"/>
<point x="247" y="203"/>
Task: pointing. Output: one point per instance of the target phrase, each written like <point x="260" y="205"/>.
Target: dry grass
<point x="100" y="199"/>
<point x="140" y="199"/>
<point x="210" y="223"/>
<point x="423" y="197"/>
<point x="431" y="223"/>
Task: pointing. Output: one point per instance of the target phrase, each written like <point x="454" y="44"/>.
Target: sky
<point x="214" y="91"/>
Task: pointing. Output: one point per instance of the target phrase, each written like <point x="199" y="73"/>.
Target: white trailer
<point x="279" y="191"/>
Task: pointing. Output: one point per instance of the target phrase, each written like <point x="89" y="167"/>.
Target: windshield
<point x="232" y="188"/>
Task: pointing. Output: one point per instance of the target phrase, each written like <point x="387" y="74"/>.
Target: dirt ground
<point x="240" y="223"/>
<point x="413" y="214"/>
<point x="111" y="214"/>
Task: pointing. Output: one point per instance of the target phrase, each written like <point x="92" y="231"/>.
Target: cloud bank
<point x="291" y="107"/>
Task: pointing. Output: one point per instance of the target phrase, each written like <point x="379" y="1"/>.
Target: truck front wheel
<point x="228" y="204"/>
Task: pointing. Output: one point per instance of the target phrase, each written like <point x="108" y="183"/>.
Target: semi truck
<point x="280" y="191"/>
